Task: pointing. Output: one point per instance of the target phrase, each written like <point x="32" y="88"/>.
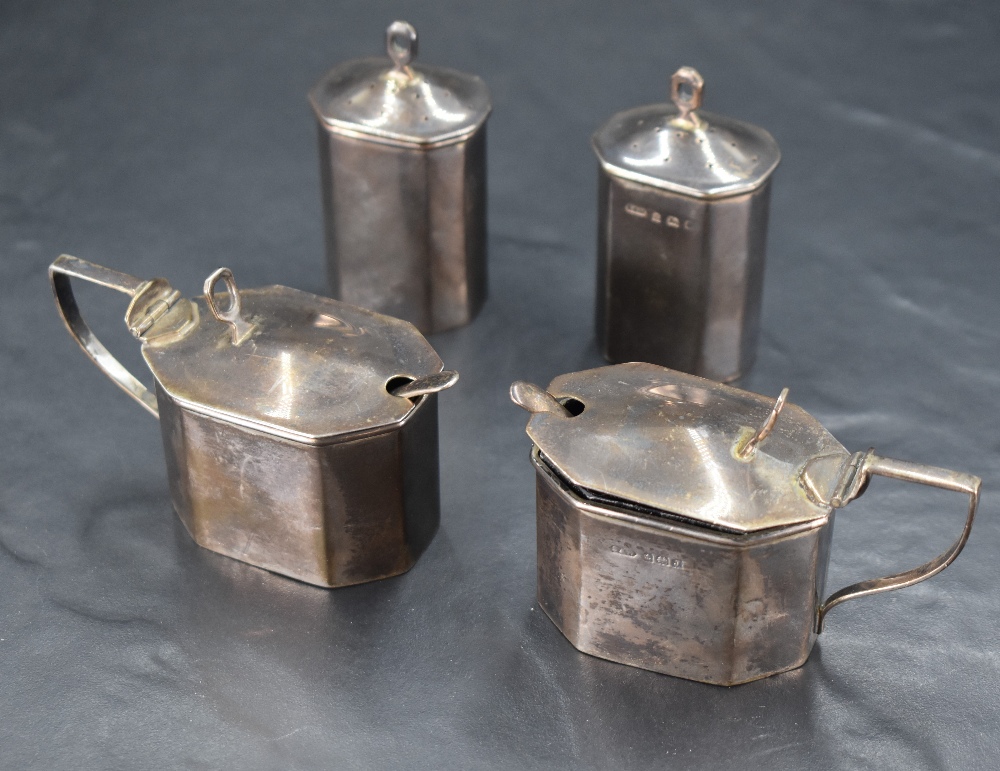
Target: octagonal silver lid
<point x="292" y="364"/>
<point x="686" y="150"/>
<point x="685" y="446"/>
<point x="397" y="102"/>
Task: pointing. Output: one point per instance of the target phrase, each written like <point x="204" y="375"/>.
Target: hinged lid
<point x="686" y="150"/>
<point x="685" y="446"/>
<point x="291" y="363"/>
<point x="394" y="101"/>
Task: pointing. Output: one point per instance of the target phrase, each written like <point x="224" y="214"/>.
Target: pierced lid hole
<point x="574" y="406"/>
<point x="395" y="382"/>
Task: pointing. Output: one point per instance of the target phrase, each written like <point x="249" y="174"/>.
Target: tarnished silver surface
<point x="684" y="525"/>
<point x="683" y="200"/>
<point x="674" y="598"/>
<point x="670" y="441"/>
<point x="306" y="372"/>
<point x="300" y="433"/>
<point x="403" y="165"/>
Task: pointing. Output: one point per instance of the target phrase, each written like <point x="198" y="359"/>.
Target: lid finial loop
<point x="233" y="315"/>
<point x="401" y="44"/>
<point x="686" y="87"/>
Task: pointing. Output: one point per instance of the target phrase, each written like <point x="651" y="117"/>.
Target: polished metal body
<point x="684" y="526"/>
<point x="403" y="165"/>
<point x="683" y="202"/>
<point x="300" y="433"/>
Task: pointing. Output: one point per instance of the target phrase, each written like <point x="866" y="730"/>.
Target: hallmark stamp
<point x="667" y="561"/>
<point x="658" y="218"/>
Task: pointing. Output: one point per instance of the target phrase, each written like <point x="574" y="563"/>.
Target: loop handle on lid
<point x="401" y="44"/>
<point x="686" y="87"/>
<point x="233" y="315"/>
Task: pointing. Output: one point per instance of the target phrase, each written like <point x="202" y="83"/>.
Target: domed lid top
<point x="686" y="150"/>
<point x="684" y="446"/>
<point x="396" y="102"/>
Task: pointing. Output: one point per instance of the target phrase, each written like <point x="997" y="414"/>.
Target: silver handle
<point x="864" y="465"/>
<point x="60" y="273"/>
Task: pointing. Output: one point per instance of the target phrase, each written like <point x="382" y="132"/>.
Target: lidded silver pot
<point x="403" y="166"/>
<point x="684" y="525"/>
<point x="300" y="433"/>
<point x="683" y="202"/>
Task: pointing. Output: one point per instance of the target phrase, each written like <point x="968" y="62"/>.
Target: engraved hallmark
<point x="625" y="550"/>
<point x="665" y="560"/>
<point x="658" y="218"/>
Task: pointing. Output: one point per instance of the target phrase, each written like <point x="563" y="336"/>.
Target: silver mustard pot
<point x="403" y="166"/>
<point x="682" y="223"/>
<point x="300" y="433"/>
<point x="684" y="526"/>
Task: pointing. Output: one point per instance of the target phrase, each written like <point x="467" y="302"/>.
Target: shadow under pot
<point x="300" y="433"/>
<point x="684" y="526"/>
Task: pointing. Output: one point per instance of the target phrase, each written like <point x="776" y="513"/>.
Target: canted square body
<point x="356" y="509"/>
<point x="673" y="597"/>
<point x="680" y="278"/>
<point x="406" y="226"/>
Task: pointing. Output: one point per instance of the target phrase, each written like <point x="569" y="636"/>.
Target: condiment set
<point x="683" y="525"/>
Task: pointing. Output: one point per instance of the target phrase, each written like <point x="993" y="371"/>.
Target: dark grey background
<point x="167" y="139"/>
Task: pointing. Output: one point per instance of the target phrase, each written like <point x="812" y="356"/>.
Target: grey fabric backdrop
<point x="172" y="138"/>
